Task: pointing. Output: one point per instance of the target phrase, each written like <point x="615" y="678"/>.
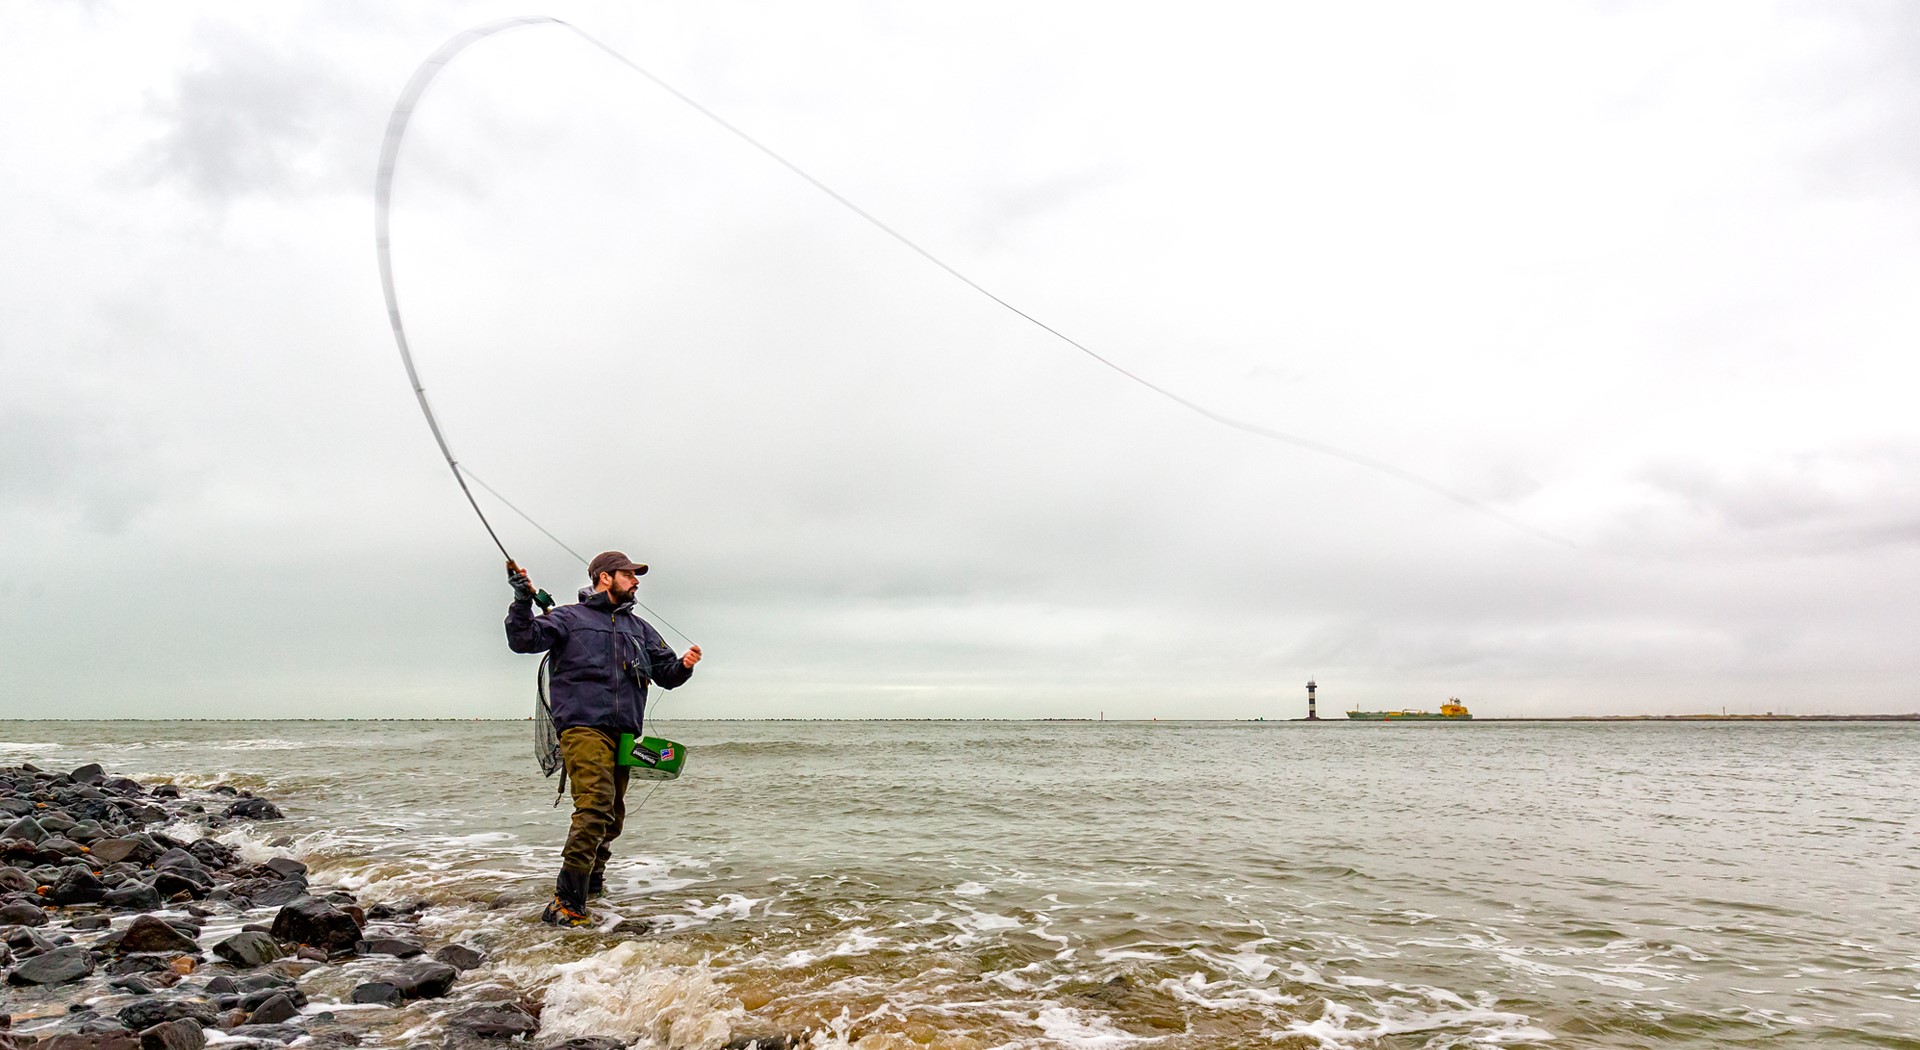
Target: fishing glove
<point x="522" y="587"/>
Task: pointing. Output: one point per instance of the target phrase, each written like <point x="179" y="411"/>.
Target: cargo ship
<point x="1451" y="711"/>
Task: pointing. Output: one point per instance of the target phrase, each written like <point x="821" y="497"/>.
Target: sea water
<point x="1104" y="885"/>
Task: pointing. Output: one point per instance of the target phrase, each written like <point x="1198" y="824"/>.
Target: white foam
<point x="1077" y="1028"/>
<point x="619" y="993"/>
<point x="970" y="889"/>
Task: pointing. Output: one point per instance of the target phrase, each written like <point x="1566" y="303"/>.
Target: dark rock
<point x="388" y="946"/>
<point x="588" y="1042"/>
<point x="182" y="1034"/>
<point x="120" y="1040"/>
<point x="310" y="954"/>
<point x="167" y="791"/>
<point x="91" y="773"/>
<point x="143" y="1014"/>
<point x="28" y="941"/>
<point x="24" y="828"/>
<point x="276" y="1009"/>
<point x="461" y="957"/>
<point x="13" y="880"/>
<point x="132" y="985"/>
<point x="249" y="948"/>
<point x="494" y="1021"/>
<point x="378" y="992"/>
<point x="55" y="966"/>
<point x="55" y="822"/>
<point x="55" y="849"/>
<point x="92" y="922"/>
<point x="124" y="786"/>
<point x="177" y="858"/>
<point x="286" y="867"/>
<point x="270" y="893"/>
<point x="255" y="1000"/>
<point x="132" y="896"/>
<point x="20" y="913"/>
<point x="78" y="886"/>
<point x="113" y="851"/>
<point x="279" y="1033"/>
<point x="311" y="921"/>
<point x="148" y="934"/>
<point x="86" y="833"/>
<point x="214" y="854"/>
<point x="254" y="809"/>
<point x="422" y="979"/>
<point x="225" y="789"/>
<point x="138" y="964"/>
<point x="173" y="882"/>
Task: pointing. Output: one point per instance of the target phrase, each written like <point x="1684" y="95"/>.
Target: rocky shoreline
<point x="105" y="920"/>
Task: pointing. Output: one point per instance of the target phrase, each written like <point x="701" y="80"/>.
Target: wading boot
<point x="596" y="885"/>
<point x="569" y="907"/>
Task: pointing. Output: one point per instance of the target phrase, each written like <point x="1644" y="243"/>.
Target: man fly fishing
<point x="601" y="659"/>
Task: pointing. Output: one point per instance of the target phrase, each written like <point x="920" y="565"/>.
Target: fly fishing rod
<point x="383" y="190"/>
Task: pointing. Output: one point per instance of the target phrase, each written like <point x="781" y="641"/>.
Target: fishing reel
<point x="540" y="597"/>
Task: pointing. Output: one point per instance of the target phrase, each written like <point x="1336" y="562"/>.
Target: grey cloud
<point x="252" y="118"/>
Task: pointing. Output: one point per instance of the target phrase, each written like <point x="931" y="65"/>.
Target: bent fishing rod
<point x="383" y="190"/>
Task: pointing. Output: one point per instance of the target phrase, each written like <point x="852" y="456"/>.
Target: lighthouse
<point x="1312" y="714"/>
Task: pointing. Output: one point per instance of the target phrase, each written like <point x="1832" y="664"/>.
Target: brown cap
<point x="612" y="561"/>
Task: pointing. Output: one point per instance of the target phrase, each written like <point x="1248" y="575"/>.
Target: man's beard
<point x="619" y="596"/>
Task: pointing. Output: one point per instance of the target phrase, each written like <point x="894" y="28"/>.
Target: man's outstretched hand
<point x="522" y="586"/>
<point x="692" y="657"/>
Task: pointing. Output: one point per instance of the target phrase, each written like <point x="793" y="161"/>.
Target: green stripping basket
<point x="650" y="757"/>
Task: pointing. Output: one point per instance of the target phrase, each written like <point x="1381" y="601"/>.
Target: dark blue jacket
<point x="602" y="658"/>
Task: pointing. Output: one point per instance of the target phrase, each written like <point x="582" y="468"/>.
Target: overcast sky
<point x="1637" y="275"/>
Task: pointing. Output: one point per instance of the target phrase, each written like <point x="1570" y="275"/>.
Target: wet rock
<point x="145" y="1013"/>
<point x="461" y="957"/>
<point x="213" y="854"/>
<point x="588" y="1042"/>
<point x="254" y="809"/>
<point x="121" y="1040"/>
<point x="286" y="867"/>
<point x="56" y="966"/>
<point x="25" y="828"/>
<point x="167" y="791"/>
<point x="20" y="913"/>
<point x="311" y="954"/>
<point x="138" y="964"/>
<point x="388" y="946"/>
<point x="55" y="822"/>
<point x="249" y="949"/>
<point x="132" y="896"/>
<point x="91" y="773"/>
<point x="131" y="984"/>
<point x="767" y="1042"/>
<point x="405" y="910"/>
<point x="124" y="786"/>
<point x="92" y="922"/>
<point x="422" y="979"/>
<point x="13" y="880"/>
<point x="78" y="886"/>
<point x="182" y="1034"/>
<point x="270" y="893"/>
<point x="148" y="934"/>
<point x="494" y="1021"/>
<point x="57" y="848"/>
<point x="379" y="993"/>
<point x="174" y="882"/>
<point x="15" y="1040"/>
<point x="28" y="941"/>
<point x="276" y="1009"/>
<point x="279" y="1033"/>
<point x="113" y="851"/>
<point x="315" y="922"/>
<point x="86" y="833"/>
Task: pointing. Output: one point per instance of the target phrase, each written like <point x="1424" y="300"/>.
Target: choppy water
<point x="1176" y="885"/>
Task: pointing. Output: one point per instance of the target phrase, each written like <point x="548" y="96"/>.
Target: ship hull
<point x="1405" y="716"/>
